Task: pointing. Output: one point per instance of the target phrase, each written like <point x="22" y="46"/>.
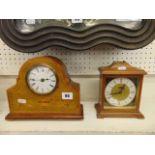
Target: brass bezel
<point x="45" y="65"/>
<point x="136" y="96"/>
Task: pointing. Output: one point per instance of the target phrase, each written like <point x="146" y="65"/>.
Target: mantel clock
<point x="44" y="91"/>
<point x="120" y="91"/>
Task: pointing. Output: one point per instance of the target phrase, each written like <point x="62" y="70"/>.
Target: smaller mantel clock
<point x="44" y="91"/>
<point x="120" y="91"/>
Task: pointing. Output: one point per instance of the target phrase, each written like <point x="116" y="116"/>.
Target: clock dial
<point x="120" y="92"/>
<point x="42" y="80"/>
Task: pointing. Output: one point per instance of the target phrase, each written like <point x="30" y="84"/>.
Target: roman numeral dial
<point x="41" y="80"/>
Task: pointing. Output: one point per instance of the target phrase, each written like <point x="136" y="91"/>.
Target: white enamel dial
<point x="41" y="79"/>
<point x="120" y="92"/>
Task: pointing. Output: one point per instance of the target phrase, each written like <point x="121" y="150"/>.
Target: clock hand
<point x="115" y="93"/>
<point x="120" y="91"/>
<point x="42" y="80"/>
<point x="47" y="79"/>
<point x="50" y="80"/>
<point x="122" y="88"/>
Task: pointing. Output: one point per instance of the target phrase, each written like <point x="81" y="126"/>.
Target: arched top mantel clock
<point x="33" y="35"/>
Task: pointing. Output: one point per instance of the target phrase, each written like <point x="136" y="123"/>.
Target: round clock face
<point x="41" y="80"/>
<point x="120" y="92"/>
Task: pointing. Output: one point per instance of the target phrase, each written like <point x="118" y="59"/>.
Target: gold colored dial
<point x="120" y="92"/>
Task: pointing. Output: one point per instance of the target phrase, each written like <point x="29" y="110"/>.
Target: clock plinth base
<point x="18" y="116"/>
<point x="101" y="113"/>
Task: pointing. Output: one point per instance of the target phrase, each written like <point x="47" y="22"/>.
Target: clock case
<point x="116" y="70"/>
<point x="49" y="106"/>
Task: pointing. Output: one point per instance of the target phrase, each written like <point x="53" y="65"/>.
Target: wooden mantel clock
<point x="44" y="91"/>
<point x="120" y="91"/>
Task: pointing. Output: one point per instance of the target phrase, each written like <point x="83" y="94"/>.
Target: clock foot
<point x="103" y="113"/>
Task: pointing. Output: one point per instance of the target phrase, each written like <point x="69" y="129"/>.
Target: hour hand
<point x="122" y="87"/>
<point x="50" y="80"/>
<point x="47" y="79"/>
<point x="115" y="93"/>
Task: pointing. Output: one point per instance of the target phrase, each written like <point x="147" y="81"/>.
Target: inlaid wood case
<point x="44" y="90"/>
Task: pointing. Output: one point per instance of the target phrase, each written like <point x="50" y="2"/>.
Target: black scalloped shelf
<point x="77" y="38"/>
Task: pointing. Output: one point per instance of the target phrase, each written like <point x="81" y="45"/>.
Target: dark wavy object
<point x="77" y="39"/>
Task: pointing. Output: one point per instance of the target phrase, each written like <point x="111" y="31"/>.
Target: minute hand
<point x="50" y="80"/>
<point x="122" y="88"/>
